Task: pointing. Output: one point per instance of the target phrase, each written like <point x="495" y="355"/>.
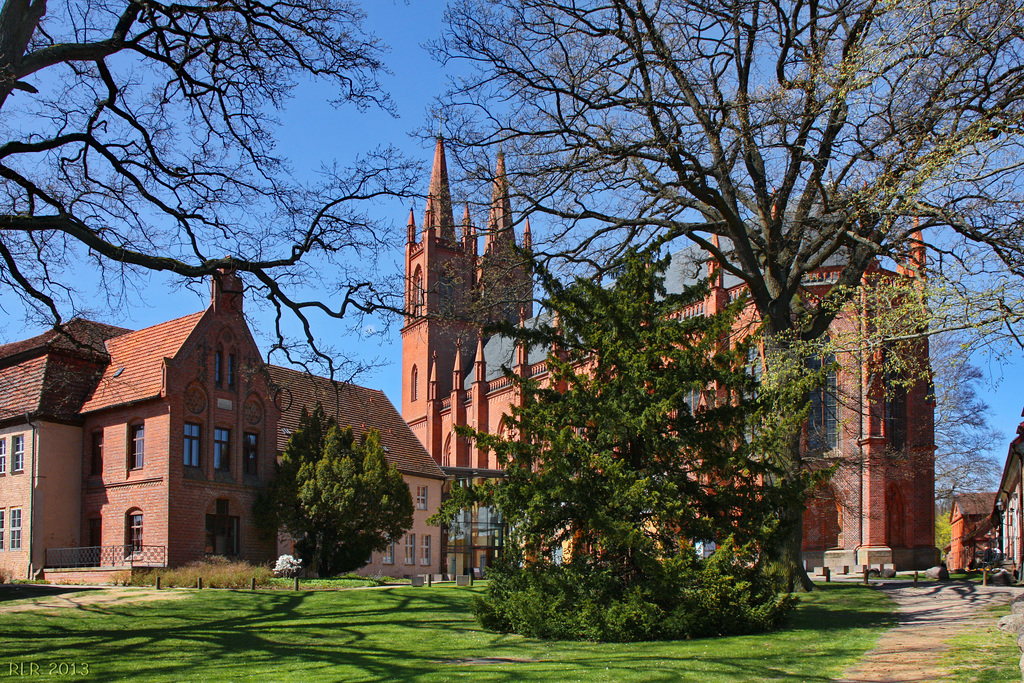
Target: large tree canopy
<point x="805" y="134"/>
<point x="139" y="136"/>
<point x="800" y="135"/>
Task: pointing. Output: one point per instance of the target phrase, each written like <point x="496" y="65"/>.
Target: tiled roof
<point x="136" y="362"/>
<point x="975" y="504"/>
<point x="50" y="375"/>
<point x="20" y="387"/>
<point x="355" y="406"/>
<point x="81" y="336"/>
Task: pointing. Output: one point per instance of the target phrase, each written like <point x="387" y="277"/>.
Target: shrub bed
<point x="215" y="572"/>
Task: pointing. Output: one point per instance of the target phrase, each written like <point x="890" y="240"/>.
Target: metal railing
<point x="107" y="556"/>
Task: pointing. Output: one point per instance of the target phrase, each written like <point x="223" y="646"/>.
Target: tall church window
<point x="895" y="412"/>
<point x="418" y="293"/>
<point x="823" y="421"/>
<point x="414" y="384"/>
<point x="446" y="296"/>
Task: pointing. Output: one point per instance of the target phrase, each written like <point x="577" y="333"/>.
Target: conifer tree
<point x="641" y="445"/>
<point x="339" y="499"/>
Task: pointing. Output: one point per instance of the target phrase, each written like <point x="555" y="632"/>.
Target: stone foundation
<point x="87" y="575"/>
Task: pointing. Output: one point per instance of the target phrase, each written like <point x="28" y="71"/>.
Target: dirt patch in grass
<point x="18" y="599"/>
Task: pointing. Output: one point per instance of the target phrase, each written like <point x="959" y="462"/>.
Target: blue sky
<point x="314" y="133"/>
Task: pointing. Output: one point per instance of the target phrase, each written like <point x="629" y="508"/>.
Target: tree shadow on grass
<point x="16" y="591"/>
<point x="395" y="634"/>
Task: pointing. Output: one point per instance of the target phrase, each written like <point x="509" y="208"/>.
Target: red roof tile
<point x="136" y="363"/>
<point x="355" y="406"/>
<point x="79" y="336"/>
<point x="975" y="504"/>
<point x="20" y="387"/>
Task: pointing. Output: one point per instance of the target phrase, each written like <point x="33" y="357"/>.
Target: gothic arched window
<point x="823" y="420"/>
<point x="895" y="411"/>
<point x="414" y="384"/>
<point x="418" y="294"/>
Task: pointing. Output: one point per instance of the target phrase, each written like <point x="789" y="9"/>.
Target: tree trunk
<point x="18" y="21"/>
<point x="788" y="554"/>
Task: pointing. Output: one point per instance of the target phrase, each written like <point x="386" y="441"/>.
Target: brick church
<point x="877" y="508"/>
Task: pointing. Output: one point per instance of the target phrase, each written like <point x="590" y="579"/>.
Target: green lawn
<point x="408" y="634"/>
<point x="984" y="655"/>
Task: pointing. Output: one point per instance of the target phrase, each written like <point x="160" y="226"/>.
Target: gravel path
<point x="929" y="616"/>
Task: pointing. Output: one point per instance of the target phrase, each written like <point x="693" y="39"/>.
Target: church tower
<point x="452" y="291"/>
<point x="506" y="289"/>
<point x="440" y="278"/>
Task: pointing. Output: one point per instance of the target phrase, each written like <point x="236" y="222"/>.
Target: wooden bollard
<point x="866" y="570"/>
<point x="828" y="574"/>
<point x="296" y="583"/>
<point x="915" y="578"/>
<point x="253" y="587"/>
<point x="199" y="583"/>
<point x="984" y="576"/>
<point x="158" y="582"/>
<point x="430" y="580"/>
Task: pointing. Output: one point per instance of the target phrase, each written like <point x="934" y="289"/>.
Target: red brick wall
<point x="174" y="499"/>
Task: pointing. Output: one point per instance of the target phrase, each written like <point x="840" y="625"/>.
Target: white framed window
<point x="410" y="549"/>
<point x="425" y="549"/>
<point x="421" y="497"/>
<point x="136" y="446"/>
<point x="3" y="456"/>
<point x="15" y="529"/>
<point x="18" y="454"/>
<point x="389" y="554"/>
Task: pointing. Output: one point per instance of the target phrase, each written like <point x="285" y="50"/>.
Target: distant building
<point x="972" y="532"/>
<point x="878" y="508"/>
<point x="123" y="449"/>
<point x="1008" y="514"/>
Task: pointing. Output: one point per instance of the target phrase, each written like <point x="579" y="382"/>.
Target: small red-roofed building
<point x="971" y="530"/>
<point x="419" y="550"/>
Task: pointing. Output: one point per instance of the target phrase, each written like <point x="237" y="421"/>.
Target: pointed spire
<point x="521" y="351"/>
<point x="499" y="220"/>
<point x="480" y="364"/>
<point x="467" y="224"/>
<point x="457" y="370"/>
<point x="714" y="268"/>
<point x="432" y="378"/>
<point x="527" y="236"/>
<point x="918" y="256"/>
<point x="411" y="227"/>
<point x="438" y="214"/>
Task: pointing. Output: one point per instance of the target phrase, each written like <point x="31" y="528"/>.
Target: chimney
<point x="226" y="291"/>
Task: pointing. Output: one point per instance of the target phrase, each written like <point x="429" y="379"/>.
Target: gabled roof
<point x="351" y="405"/>
<point x="975" y="504"/>
<point x="135" y="372"/>
<point x="50" y="375"/>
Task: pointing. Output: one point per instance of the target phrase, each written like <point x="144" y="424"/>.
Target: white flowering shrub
<point x="287" y="566"/>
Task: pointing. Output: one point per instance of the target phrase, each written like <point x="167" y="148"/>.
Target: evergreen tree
<point x="640" y="445"/>
<point x="339" y="499"/>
